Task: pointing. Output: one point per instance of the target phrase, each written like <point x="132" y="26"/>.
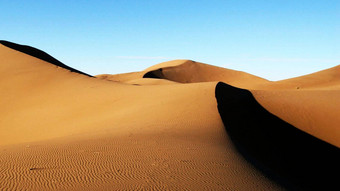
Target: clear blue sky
<point x="273" y="39"/>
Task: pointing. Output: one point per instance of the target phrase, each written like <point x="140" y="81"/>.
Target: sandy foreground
<point x="178" y="125"/>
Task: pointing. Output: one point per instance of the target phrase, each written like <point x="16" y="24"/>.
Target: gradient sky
<point x="273" y="39"/>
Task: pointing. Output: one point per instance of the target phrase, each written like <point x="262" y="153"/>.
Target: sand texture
<point x="177" y="125"/>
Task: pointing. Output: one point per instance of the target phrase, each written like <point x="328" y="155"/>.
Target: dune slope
<point x="312" y="97"/>
<point x="297" y="159"/>
<point x="172" y="126"/>
<point x="187" y="71"/>
<point x="64" y="130"/>
<point x="325" y="79"/>
<point x="38" y="54"/>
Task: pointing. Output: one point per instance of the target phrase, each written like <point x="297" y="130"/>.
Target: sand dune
<point x="277" y="147"/>
<point x="121" y="77"/>
<point x="315" y="112"/>
<point x="135" y="78"/>
<point x="172" y="126"/>
<point x="318" y="110"/>
<point x="38" y="54"/>
<point x="325" y="79"/>
<point x="187" y="71"/>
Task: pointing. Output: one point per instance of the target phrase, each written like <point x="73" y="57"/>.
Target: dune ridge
<point x="300" y="98"/>
<point x="325" y="79"/>
<point x="172" y="126"/>
<point x="188" y="71"/>
<point x="288" y="154"/>
<point x="38" y="54"/>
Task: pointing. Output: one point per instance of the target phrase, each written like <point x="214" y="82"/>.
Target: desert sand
<point x="177" y="125"/>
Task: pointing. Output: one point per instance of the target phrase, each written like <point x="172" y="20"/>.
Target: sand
<point x="169" y="127"/>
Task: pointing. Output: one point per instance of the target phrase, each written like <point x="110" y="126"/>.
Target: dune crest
<point x="38" y="54"/>
<point x="172" y="126"/>
<point x="325" y="79"/>
<point x="288" y="154"/>
<point x="188" y="71"/>
<point x="192" y="72"/>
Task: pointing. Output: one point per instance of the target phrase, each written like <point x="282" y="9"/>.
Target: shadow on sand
<point x="158" y="74"/>
<point x="39" y="54"/>
<point x="289" y="156"/>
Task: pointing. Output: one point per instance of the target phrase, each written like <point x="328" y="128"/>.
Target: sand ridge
<point x="326" y="79"/>
<point x="158" y="129"/>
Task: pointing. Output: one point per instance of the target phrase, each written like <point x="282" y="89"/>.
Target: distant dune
<point x="325" y="79"/>
<point x="187" y="71"/>
<point x="177" y="125"/>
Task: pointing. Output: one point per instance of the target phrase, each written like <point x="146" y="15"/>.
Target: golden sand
<point x="157" y="129"/>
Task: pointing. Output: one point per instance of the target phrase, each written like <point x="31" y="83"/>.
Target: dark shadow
<point x="39" y="54"/>
<point x="287" y="155"/>
<point x="155" y="74"/>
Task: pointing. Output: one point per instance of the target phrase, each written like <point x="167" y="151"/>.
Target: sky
<point x="274" y="39"/>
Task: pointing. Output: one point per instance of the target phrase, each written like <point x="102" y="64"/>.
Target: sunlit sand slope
<point x="178" y="125"/>
<point x="328" y="79"/>
<point x="286" y="153"/>
<point x="187" y="71"/>
<point x="61" y="129"/>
